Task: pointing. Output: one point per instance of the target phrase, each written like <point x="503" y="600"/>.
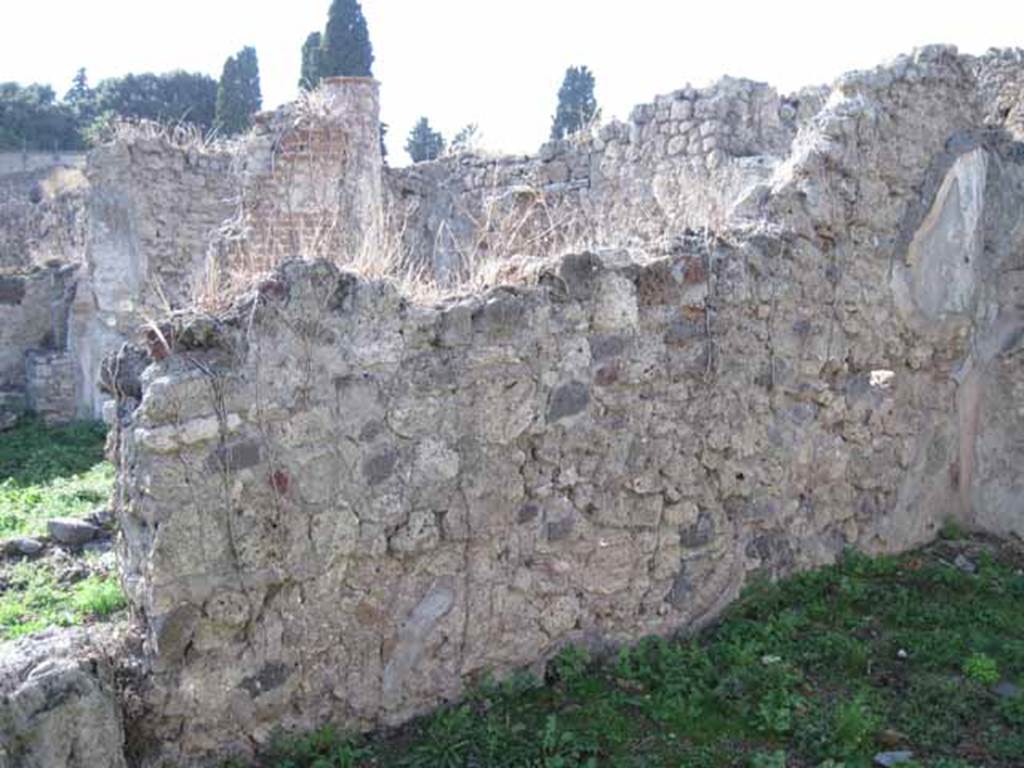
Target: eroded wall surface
<point x="42" y="210"/>
<point x="154" y="210"/>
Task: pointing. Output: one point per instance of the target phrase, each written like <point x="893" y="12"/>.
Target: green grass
<point x="50" y="472"/>
<point x="823" y="670"/>
<point x="34" y="599"/>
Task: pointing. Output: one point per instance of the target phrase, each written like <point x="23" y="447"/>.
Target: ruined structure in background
<point x="160" y="220"/>
<point x="681" y="162"/>
<point x="339" y="504"/>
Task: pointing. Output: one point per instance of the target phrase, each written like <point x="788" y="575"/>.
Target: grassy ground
<point x="826" y="669"/>
<point x="39" y="594"/>
<point x="50" y="472"/>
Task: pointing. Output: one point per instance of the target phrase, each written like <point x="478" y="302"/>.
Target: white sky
<point x="498" y="63"/>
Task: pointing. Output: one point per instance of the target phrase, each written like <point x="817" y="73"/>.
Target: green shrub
<point x="981" y="668"/>
<point x="570" y="665"/>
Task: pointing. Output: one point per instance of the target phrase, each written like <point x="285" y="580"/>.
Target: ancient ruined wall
<point x="13" y="163"/>
<point x="172" y="224"/>
<point x="155" y="208"/>
<point x="153" y="211"/>
<point x="352" y="507"/>
<point x="33" y="317"/>
<point x="42" y="214"/>
<point x="336" y="504"/>
<point x="310" y="177"/>
<point x="42" y="222"/>
<point x="681" y="161"/>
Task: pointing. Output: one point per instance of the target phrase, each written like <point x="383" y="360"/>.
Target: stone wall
<point x="680" y="162"/>
<point x="338" y="504"/>
<point x="12" y="163"/>
<point x="154" y="209"/>
<point x="42" y="216"/>
<point x="34" y="309"/>
<point x="50" y="384"/>
<point x="174" y="224"/>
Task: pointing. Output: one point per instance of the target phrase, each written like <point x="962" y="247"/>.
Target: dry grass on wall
<point x="301" y="209"/>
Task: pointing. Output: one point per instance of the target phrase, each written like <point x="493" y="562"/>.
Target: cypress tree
<point x="238" y="94"/>
<point x="310" y="77"/>
<point x="80" y="91"/>
<point x="345" y="49"/>
<point x="424" y="142"/>
<point x="576" y="103"/>
<point x="249" y="80"/>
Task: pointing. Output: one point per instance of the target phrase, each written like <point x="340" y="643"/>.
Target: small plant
<point x="853" y="727"/>
<point x="776" y="759"/>
<point x="570" y="665"/>
<point x="951" y="530"/>
<point x="1012" y="711"/>
<point x="325" y="747"/>
<point x="98" y="597"/>
<point x="564" y="749"/>
<point x="448" y="739"/>
<point x="774" y="713"/>
<point x="981" y="668"/>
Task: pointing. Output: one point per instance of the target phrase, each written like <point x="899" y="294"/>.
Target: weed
<point x="853" y="728"/>
<point x="952" y="530"/>
<point x="98" y="597"/>
<point x="562" y="748"/>
<point x="570" y="665"/>
<point x="323" y="748"/>
<point x="449" y="737"/>
<point x="981" y="668"/>
<point x="1012" y="711"/>
<point x="776" y="759"/>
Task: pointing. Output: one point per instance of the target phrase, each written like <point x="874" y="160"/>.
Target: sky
<point x="498" y="64"/>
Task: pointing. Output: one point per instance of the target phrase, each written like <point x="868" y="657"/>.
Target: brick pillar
<point x="311" y="176"/>
<point x="354" y="106"/>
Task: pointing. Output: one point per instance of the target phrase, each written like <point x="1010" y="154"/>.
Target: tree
<point x="238" y="94"/>
<point x="172" y="97"/>
<point x="345" y="48"/>
<point x="81" y="99"/>
<point x="80" y="91"/>
<point x="310" y="77"/>
<point x="576" y="103"/>
<point x="424" y="142"/>
<point x="467" y="139"/>
<point x="249" y="72"/>
<point x="32" y="118"/>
